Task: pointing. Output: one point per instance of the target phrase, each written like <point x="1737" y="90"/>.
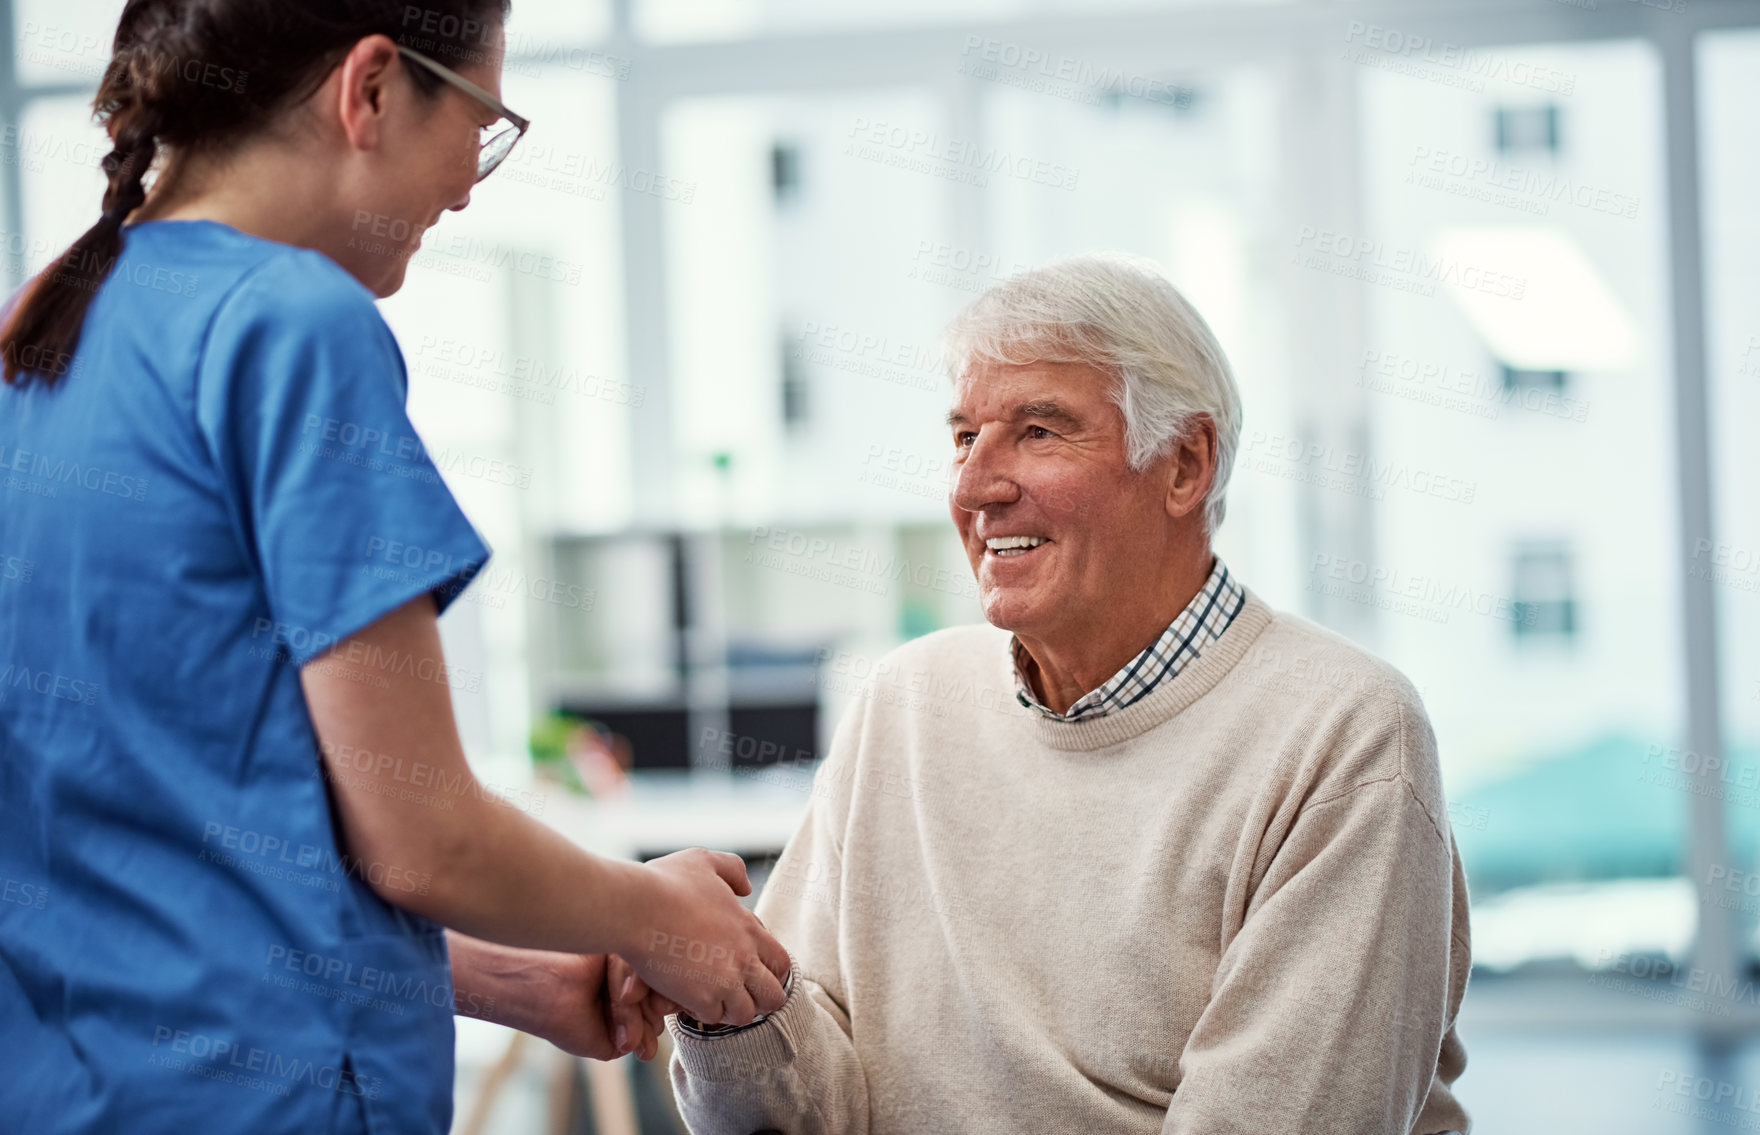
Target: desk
<point x="750" y="813"/>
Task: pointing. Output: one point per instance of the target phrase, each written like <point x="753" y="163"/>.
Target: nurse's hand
<point x="701" y="949"/>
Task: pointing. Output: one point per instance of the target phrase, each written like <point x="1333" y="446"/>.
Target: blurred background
<point x="1492" y="296"/>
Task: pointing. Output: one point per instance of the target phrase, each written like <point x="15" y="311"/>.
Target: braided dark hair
<point x="200" y="75"/>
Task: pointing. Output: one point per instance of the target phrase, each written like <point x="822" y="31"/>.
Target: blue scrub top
<point x="224" y="484"/>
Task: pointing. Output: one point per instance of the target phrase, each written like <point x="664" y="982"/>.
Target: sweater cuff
<point x="697" y="1029"/>
<point x="749" y="1052"/>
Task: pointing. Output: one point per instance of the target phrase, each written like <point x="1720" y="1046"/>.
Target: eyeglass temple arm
<point x="465" y="85"/>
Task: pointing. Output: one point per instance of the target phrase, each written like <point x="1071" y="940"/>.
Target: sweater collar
<point x="1202" y="622"/>
<point x="1168" y="699"/>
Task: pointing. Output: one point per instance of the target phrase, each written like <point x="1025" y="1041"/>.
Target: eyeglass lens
<point x="498" y="142"/>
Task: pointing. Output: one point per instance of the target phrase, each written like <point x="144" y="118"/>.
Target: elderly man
<point x="1143" y="854"/>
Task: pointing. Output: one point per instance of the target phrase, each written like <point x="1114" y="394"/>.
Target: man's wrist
<point x="522" y="989"/>
<point x="695" y="1028"/>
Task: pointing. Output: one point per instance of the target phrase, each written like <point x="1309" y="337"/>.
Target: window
<point x="1544" y="603"/>
<point x="794" y="382"/>
<point x="1518" y="379"/>
<point x="785" y="172"/>
<point x="1526" y="129"/>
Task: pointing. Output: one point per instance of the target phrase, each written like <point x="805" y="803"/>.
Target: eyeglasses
<point x="500" y="137"/>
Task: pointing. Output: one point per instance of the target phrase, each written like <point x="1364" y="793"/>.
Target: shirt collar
<point x="1200" y="624"/>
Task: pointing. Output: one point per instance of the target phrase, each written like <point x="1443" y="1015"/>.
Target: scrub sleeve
<point x="301" y="401"/>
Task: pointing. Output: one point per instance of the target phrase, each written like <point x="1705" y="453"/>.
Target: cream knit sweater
<point x="1234" y="906"/>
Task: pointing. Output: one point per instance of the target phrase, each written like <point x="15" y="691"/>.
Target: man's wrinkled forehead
<point x="1028" y="408"/>
<point x="1052" y="393"/>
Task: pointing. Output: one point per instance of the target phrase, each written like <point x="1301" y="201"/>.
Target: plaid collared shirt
<point x="1199" y="625"/>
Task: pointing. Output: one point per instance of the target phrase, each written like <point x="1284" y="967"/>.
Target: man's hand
<point x="577" y="1010"/>
<point x="561" y="998"/>
<point x="638" y="1014"/>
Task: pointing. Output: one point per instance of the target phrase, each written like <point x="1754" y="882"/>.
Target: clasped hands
<point x="603" y="1010"/>
<point x="692" y="947"/>
<point x="599" y="1007"/>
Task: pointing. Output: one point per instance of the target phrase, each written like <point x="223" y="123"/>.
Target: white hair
<point x="1120" y="315"/>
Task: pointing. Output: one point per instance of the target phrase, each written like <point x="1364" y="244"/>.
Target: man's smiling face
<point x="1057" y="526"/>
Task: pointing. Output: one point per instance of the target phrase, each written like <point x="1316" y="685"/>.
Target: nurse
<point x="235" y="815"/>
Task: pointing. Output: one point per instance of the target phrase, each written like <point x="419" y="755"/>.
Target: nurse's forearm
<point x="427" y="837"/>
<point x="419" y="827"/>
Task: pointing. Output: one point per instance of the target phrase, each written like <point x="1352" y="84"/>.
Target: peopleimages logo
<point x="87" y="53"/>
<point x="927" y="151"/>
<point x="1064" y="76"/>
<point x="1451" y="63"/>
<point x="32" y="895"/>
<point x="403" y="455"/>
<point x="346" y="979"/>
<point x="253" y="851"/>
<point x="797" y="552"/>
<point x="17" y="676"/>
<point x="1533" y="188"/>
<point x="1347" y="470"/>
<point x="262" y="1069"/>
<point x="1403" y="268"/>
<point x="1661" y="979"/>
<point x="49" y="472"/>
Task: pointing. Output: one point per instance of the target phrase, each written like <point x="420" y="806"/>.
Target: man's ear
<point x="362" y="96"/>
<point x="1192" y="467"/>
